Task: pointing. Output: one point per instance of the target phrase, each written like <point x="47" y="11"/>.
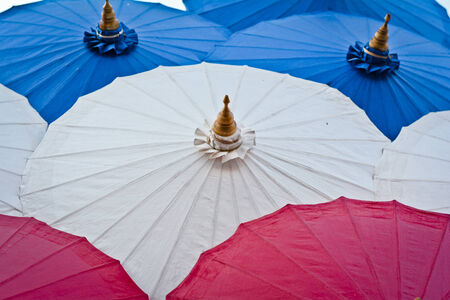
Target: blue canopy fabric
<point x="43" y="55"/>
<point x="315" y="47"/>
<point x="426" y="17"/>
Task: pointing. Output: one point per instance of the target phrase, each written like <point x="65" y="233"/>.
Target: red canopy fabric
<point x="344" y="249"/>
<point x="39" y="262"/>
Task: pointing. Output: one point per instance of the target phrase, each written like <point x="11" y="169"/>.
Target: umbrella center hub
<point x="225" y="143"/>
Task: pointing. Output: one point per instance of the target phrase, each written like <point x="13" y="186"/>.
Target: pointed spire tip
<point x="225" y="124"/>
<point x="380" y="38"/>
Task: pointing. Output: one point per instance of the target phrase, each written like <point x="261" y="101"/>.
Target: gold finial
<point x="108" y="21"/>
<point x="225" y="124"/>
<point x="379" y="40"/>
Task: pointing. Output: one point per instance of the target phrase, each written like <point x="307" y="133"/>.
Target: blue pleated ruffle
<point x="119" y="41"/>
<point x="369" y="63"/>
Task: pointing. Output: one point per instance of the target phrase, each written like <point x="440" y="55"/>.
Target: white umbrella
<point x="21" y="130"/>
<point x="415" y="168"/>
<point x="122" y="169"/>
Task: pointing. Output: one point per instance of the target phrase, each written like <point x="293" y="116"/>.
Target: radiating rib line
<point x="264" y="96"/>
<point x="154" y="51"/>
<point x="214" y="99"/>
<point x="302" y="221"/>
<point x="440" y="138"/>
<point x="237" y="217"/>
<point x="276" y="112"/>
<point x="249" y="193"/>
<point x="164" y="103"/>
<point x="415" y="154"/>
<point x="309" y="169"/>
<point x="16" y="148"/>
<point x="77" y="241"/>
<point x="175" y="143"/>
<point x="238" y="88"/>
<point x="307" y="153"/>
<point x="438" y="250"/>
<point x="260" y="185"/>
<point x="409" y="179"/>
<point x="166" y="209"/>
<point x="278" y="250"/>
<point x="135" y="162"/>
<point x="293" y="178"/>
<point x="366" y="255"/>
<point x="160" y="119"/>
<point x="149" y="196"/>
<point x="150" y="132"/>
<point x="252" y="275"/>
<point x="115" y="262"/>
<point x="340" y="140"/>
<point x="182" y="228"/>
<point x="10" y="172"/>
<point x="294" y="199"/>
<point x="64" y="20"/>
<point x="134" y="181"/>
<point x="216" y="205"/>
<point x="180" y="88"/>
<point x="15" y="232"/>
<point x="397" y="246"/>
<point x="74" y="12"/>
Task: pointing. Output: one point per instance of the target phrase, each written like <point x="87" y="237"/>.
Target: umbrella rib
<point x="16" y="148"/>
<point x="237" y="217"/>
<point x="294" y="199"/>
<point x="290" y="176"/>
<point x="348" y="161"/>
<point x="10" y="172"/>
<point x="115" y="262"/>
<point x="193" y="103"/>
<point x="94" y="9"/>
<point x="135" y="162"/>
<point x="399" y="274"/>
<point x="439" y="138"/>
<point x="132" y="182"/>
<point x="119" y="129"/>
<point x="183" y="226"/>
<point x="54" y="17"/>
<point x="297" y="138"/>
<point x="164" y="103"/>
<point x="110" y="149"/>
<point x="438" y="250"/>
<point x="73" y="243"/>
<point x="15" y="232"/>
<point x="311" y="170"/>
<point x="72" y="11"/>
<point x="216" y="206"/>
<point x="366" y="255"/>
<point x="211" y="92"/>
<point x="238" y="89"/>
<point x="416" y="154"/>
<point x="301" y="99"/>
<point x="264" y="96"/>
<point x="305" y="122"/>
<point x="166" y="209"/>
<point x="250" y="198"/>
<point x="302" y="221"/>
<point x="278" y="250"/>
<point x="409" y="179"/>
<point x="139" y="113"/>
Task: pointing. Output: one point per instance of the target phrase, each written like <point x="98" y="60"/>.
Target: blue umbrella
<point x="53" y="52"/>
<point x="425" y="17"/>
<point x="395" y="86"/>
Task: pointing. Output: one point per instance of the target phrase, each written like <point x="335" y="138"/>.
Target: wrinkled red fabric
<point x="344" y="249"/>
<point x="39" y="262"/>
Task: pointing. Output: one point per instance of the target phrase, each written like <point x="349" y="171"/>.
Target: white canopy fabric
<point x="415" y="168"/>
<point x="122" y="169"/>
<point x="21" y="130"/>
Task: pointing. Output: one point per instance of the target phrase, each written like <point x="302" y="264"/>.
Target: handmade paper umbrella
<point x="395" y="85"/>
<point x="143" y="170"/>
<point x="39" y="262"/>
<point x="21" y="130"/>
<point x="426" y="17"/>
<point x="52" y="52"/>
<point x="415" y="168"/>
<point x="345" y="249"/>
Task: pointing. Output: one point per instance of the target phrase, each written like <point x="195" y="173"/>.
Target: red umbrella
<point x="39" y="262"/>
<point x="345" y="249"/>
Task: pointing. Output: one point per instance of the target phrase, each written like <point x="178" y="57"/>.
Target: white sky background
<point x="5" y="4"/>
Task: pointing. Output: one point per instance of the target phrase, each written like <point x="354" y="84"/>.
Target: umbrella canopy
<point x="395" y="85"/>
<point x="53" y="52"/>
<point x="21" y="130"/>
<point x="143" y="170"/>
<point x="426" y="17"/>
<point x="39" y="262"/>
<point x="415" y="168"/>
<point x="345" y="249"/>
